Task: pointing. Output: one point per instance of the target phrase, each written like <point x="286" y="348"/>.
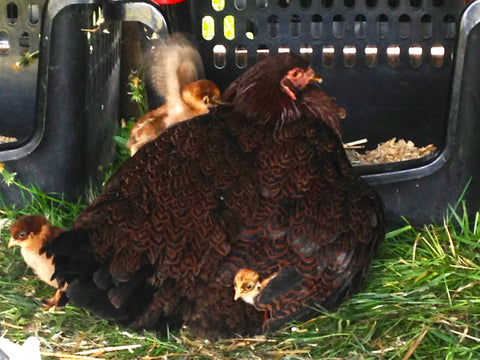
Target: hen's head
<point x="201" y="95"/>
<point x="268" y="89"/>
<point x="247" y="285"/>
<point x="26" y="230"/>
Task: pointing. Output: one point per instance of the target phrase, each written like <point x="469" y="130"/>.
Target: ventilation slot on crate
<point x="328" y="53"/>
<point x="438" y="55"/>
<point x="33" y="14"/>
<point x="219" y="59"/>
<point x="316" y="26"/>
<point x="12" y="13"/>
<point x="4" y="43"/>
<point x="349" y="54"/>
<point x="306" y="51"/>
<point x="262" y="52"/>
<point x="24" y="42"/>
<point x="371" y="56"/>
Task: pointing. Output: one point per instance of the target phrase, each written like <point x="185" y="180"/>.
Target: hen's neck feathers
<point x="258" y="93"/>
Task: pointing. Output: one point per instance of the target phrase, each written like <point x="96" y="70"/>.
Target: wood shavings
<point x="390" y="151"/>
<point x="7" y="139"/>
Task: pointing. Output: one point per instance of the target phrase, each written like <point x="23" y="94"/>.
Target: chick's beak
<point x="238" y="294"/>
<point x="12" y="242"/>
<point x="215" y="101"/>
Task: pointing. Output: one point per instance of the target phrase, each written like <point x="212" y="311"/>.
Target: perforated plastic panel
<point x="389" y="63"/>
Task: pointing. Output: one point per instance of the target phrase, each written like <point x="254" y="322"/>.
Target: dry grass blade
<point x="165" y="356"/>
<point x="416" y="343"/>
<point x="104" y="350"/>
<point x="468" y="286"/>
<point x="233" y="344"/>
<point x="357" y="144"/>
<point x="466" y="336"/>
<point x="5" y="324"/>
<point x="68" y="356"/>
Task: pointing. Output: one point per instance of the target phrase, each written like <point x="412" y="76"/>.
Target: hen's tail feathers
<point x="90" y="284"/>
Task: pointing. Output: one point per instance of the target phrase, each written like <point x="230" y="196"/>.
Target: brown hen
<point x="31" y="233"/>
<point x="197" y="98"/>
<point x="262" y="183"/>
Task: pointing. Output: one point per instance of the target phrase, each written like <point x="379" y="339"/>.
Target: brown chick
<point x="31" y="233"/>
<point x="197" y="98"/>
<point x="247" y="285"/>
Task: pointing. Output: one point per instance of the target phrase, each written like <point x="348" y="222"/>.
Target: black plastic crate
<point x="401" y="68"/>
<point x="62" y="109"/>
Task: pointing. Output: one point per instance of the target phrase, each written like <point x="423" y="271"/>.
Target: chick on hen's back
<point x="197" y="98"/>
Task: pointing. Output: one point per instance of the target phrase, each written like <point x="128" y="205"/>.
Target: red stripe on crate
<point x="167" y="2"/>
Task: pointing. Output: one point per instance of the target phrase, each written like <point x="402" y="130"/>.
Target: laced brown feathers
<point x="261" y="183"/>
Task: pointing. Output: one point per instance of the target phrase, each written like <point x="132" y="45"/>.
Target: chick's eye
<point x="249" y="287"/>
<point x="22" y="235"/>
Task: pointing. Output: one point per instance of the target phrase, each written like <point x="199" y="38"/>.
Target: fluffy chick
<point x="197" y="98"/>
<point x="173" y="63"/>
<point x="247" y="285"/>
<point x="31" y="233"/>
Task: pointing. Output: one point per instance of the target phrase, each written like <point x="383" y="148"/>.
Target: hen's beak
<point x="316" y="78"/>
<point x="313" y="76"/>
<point x="12" y="242"/>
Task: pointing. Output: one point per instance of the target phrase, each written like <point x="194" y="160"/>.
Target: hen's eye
<point x="296" y="74"/>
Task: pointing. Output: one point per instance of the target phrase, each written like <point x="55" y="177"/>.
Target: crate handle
<point x="143" y="12"/>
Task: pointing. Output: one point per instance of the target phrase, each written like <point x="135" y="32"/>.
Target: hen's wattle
<point x="262" y="183"/>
